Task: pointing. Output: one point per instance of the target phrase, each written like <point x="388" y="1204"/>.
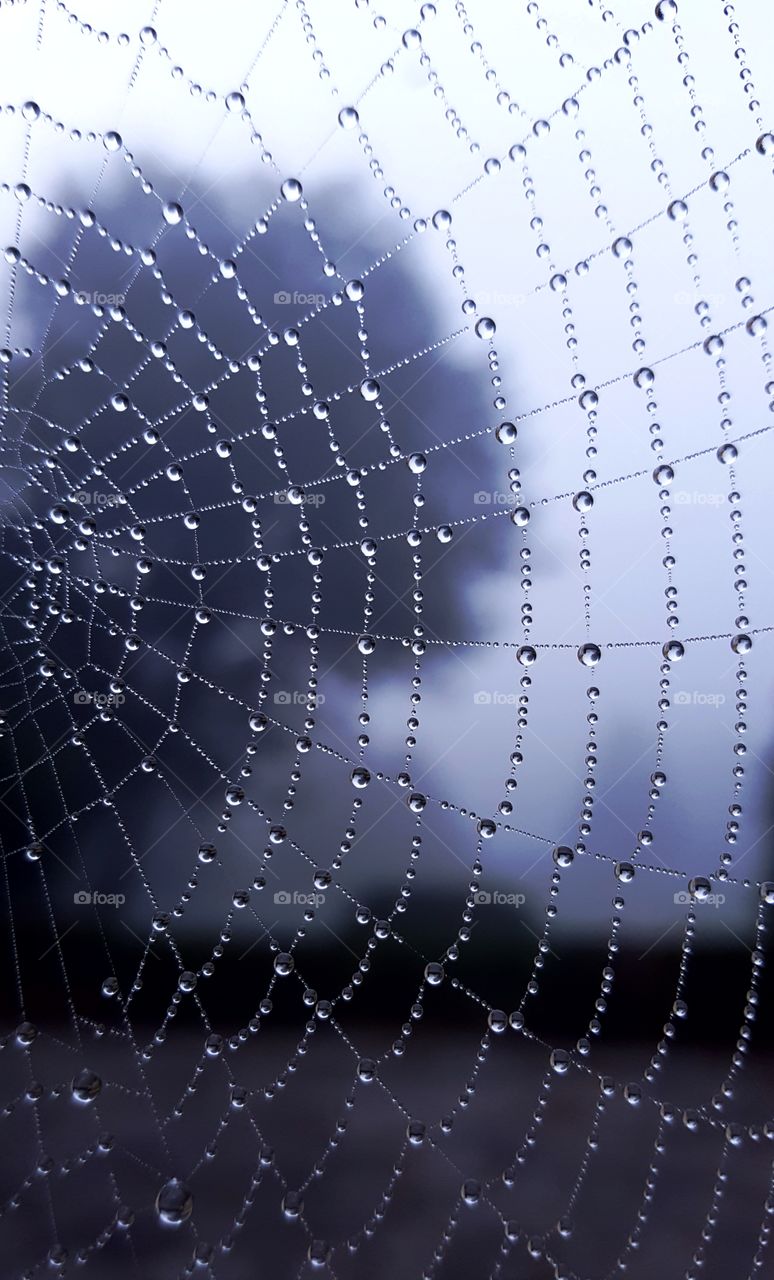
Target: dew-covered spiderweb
<point x="386" y="620"/>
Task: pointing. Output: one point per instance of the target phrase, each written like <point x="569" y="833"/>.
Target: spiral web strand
<point x="272" y="1007"/>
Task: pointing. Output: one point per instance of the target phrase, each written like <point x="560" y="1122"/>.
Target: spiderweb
<point x="355" y="925"/>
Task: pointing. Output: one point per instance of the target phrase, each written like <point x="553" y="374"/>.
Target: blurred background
<point x="342" y="348"/>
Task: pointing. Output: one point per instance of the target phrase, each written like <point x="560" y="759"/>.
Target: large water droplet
<point x="86" y="1086"/>
<point x="174" y="1203"/>
<point x="589" y="654"/>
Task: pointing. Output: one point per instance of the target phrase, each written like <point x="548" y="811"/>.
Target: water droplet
<point x="741" y="643"/>
<point x="415" y="1132"/>
<point x="673" y="651"/>
<point x="560" y="1061"/>
<point x="284" y="964"/>
<point x="526" y="655"/>
<point x="700" y="888"/>
<point x="292" y="1204"/>
<point x="485" y="327"/>
<point x="434" y="973"/>
<point x="174" y="1202"/>
<point x="506" y="433"/>
<point x="563" y="855"/>
<point x="714" y="344"/>
<point x="369" y="389"/>
<point x="349" y="118"/>
<point x="112" y="141"/>
<point x="291" y="190"/>
<point x="583" y="501"/>
<point x="172" y="212"/>
<point x="86" y="1086"/>
<point x="497" y="1021"/>
<point x="360" y="777"/>
<point x="471" y="1191"/>
<point x="589" y="654"/>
